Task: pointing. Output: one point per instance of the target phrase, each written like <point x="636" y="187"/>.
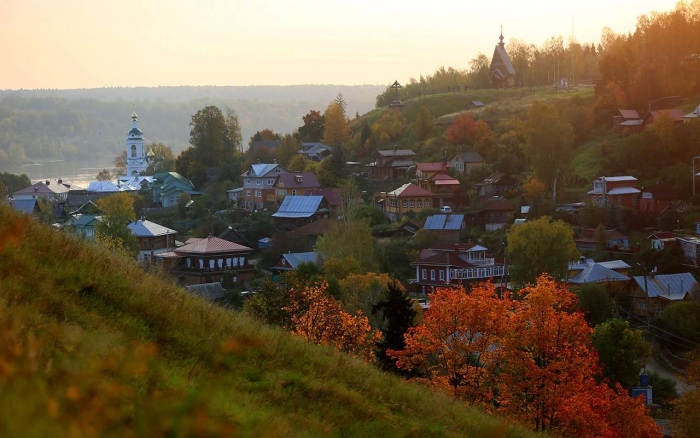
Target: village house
<point x="655" y="198"/>
<point x="445" y="227"/>
<point x="464" y="161"/>
<point x="234" y="235"/>
<point x="434" y="178"/>
<point x="408" y="197"/>
<point x="495" y="214"/>
<point x="169" y="186"/>
<point x="152" y="238"/>
<point x="656" y="292"/>
<point x="624" y="115"/>
<point x="315" y="151"/>
<point x="391" y="164"/>
<point x="295" y="184"/>
<point x="236" y="196"/>
<point x="208" y="260"/>
<point x="259" y="186"/>
<point x="661" y="240"/>
<point x="312" y="231"/>
<point x="456" y="264"/>
<point x="676" y="115"/>
<point x="296" y="211"/>
<point x="501" y="71"/>
<point x="53" y="190"/>
<point x="615" y="240"/>
<point x="620" y="190"/>
<point x="691" y="249"/>
<point x="631" y="126"/>
<point x="83" y="225"/>
<point x="584" y="271"/>
<point x="26" y="206"/>
<point x="496" y="184"/>
<point x="331" y="195"/>
<point x="291" y="261"/>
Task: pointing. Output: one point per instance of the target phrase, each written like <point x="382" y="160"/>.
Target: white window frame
<point x="432" y="275"/>
<point x="442" y="275"/>
<point x="257" y="182"/>
<point x="427" y="203"/>
<point x="405" y="204"/>
<point x="424" y="274"/>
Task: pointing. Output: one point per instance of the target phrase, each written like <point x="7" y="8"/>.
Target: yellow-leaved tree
<point x="336" y="129"/>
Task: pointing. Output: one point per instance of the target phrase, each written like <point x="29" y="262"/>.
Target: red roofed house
<point x="391" y="164"/>
<point x="656" y="197"/>
<point x="495" y="214"/>
<point x="621" y="190"/>
<point x="54" y="190"/>
<point x="207" y="260"/>
<point x="661" y="239"/>
<point x="408" y="197"/>
<point x="623" y="115"/>
<point x="295" y="184"/>
<point x="447" y="190"/>
<point x="675" y="114"/>
<point x="454" y="263"/>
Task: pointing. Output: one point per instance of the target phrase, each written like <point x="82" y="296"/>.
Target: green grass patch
<point x="93" y="345"/>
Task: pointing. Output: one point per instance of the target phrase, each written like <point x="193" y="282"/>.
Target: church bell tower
<point x="136" y="160"/>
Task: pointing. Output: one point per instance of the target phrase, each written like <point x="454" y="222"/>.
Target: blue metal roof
<point x="144" y="228"/>
<point x="296" y="259"/>
<point x="261" y="169"/>
<point x="24" y="205"/>
<point x="299" y="206"/>
<point x="596" y="273"/>
<point x="444" y="222"/>
<point x="672" y="287"/>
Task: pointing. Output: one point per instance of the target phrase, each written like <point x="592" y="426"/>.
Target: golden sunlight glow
<point x="95" y="43"/>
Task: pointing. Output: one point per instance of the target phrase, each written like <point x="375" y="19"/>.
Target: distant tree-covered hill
<point x="72" y="124"/>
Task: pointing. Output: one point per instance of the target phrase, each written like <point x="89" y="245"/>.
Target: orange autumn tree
<point x="320" y="319"/>
<point x="467" y="131"/>
<point x="457" y="347"/>
<point x="548" y="375"/>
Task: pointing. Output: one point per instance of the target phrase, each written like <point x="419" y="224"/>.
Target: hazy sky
<point x="96" y="43"/>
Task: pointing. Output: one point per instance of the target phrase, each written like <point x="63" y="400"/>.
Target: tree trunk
<point x="554" y="188"/>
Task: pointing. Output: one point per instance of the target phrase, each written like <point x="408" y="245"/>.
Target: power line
<point x="692" y="343"/>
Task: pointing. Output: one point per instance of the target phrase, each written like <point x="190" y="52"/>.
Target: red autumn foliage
<point x="320" y="319"/>
<point x="531" y="360"/>
<point x="452" y="349"/>
<point x="466" y="131"/>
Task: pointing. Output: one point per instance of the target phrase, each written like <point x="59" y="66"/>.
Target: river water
<point x="79" y="173"/>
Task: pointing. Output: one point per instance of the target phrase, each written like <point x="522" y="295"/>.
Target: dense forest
<point x="50" y="124"/>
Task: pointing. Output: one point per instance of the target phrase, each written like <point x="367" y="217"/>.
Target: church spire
<point x="501" y="38"/>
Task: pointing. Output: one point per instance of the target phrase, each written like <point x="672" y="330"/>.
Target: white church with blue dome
<point x="136" y="159"/>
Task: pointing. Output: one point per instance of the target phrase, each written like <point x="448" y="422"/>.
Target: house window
<point x="211" y="264"/>
<point x="405" y="204"/>
<point x="424" y="273"/>
<point x="270" y="182"/>
<point x="257" y="182"/>
<point x="247" y="193"/>
<point x="242" y="259"/>
<point x="294" y="192"/>
<point x="247" y="181"/>
<point x="413" y="204"/>
<point x="258" y="193"/>
<point x="427" y="203"/>
<point x="88" y="231"/>
<point x="619" y="200"/>
<point x="228" y="262"/>
<point x="201" y="263"/>
<point x="188" y="262"/>
<point x="442" y="275"/>
<point x="432" y="274"/>
<point x="420" y="203"/>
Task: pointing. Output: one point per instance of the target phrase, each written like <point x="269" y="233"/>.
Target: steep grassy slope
<point x="92" y="345"/>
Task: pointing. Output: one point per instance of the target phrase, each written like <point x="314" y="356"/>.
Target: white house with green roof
<point x="168" y="186"/>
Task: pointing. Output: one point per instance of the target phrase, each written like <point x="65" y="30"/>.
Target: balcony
<point x="482" y="262"/>
<point x="477" y="273"/>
